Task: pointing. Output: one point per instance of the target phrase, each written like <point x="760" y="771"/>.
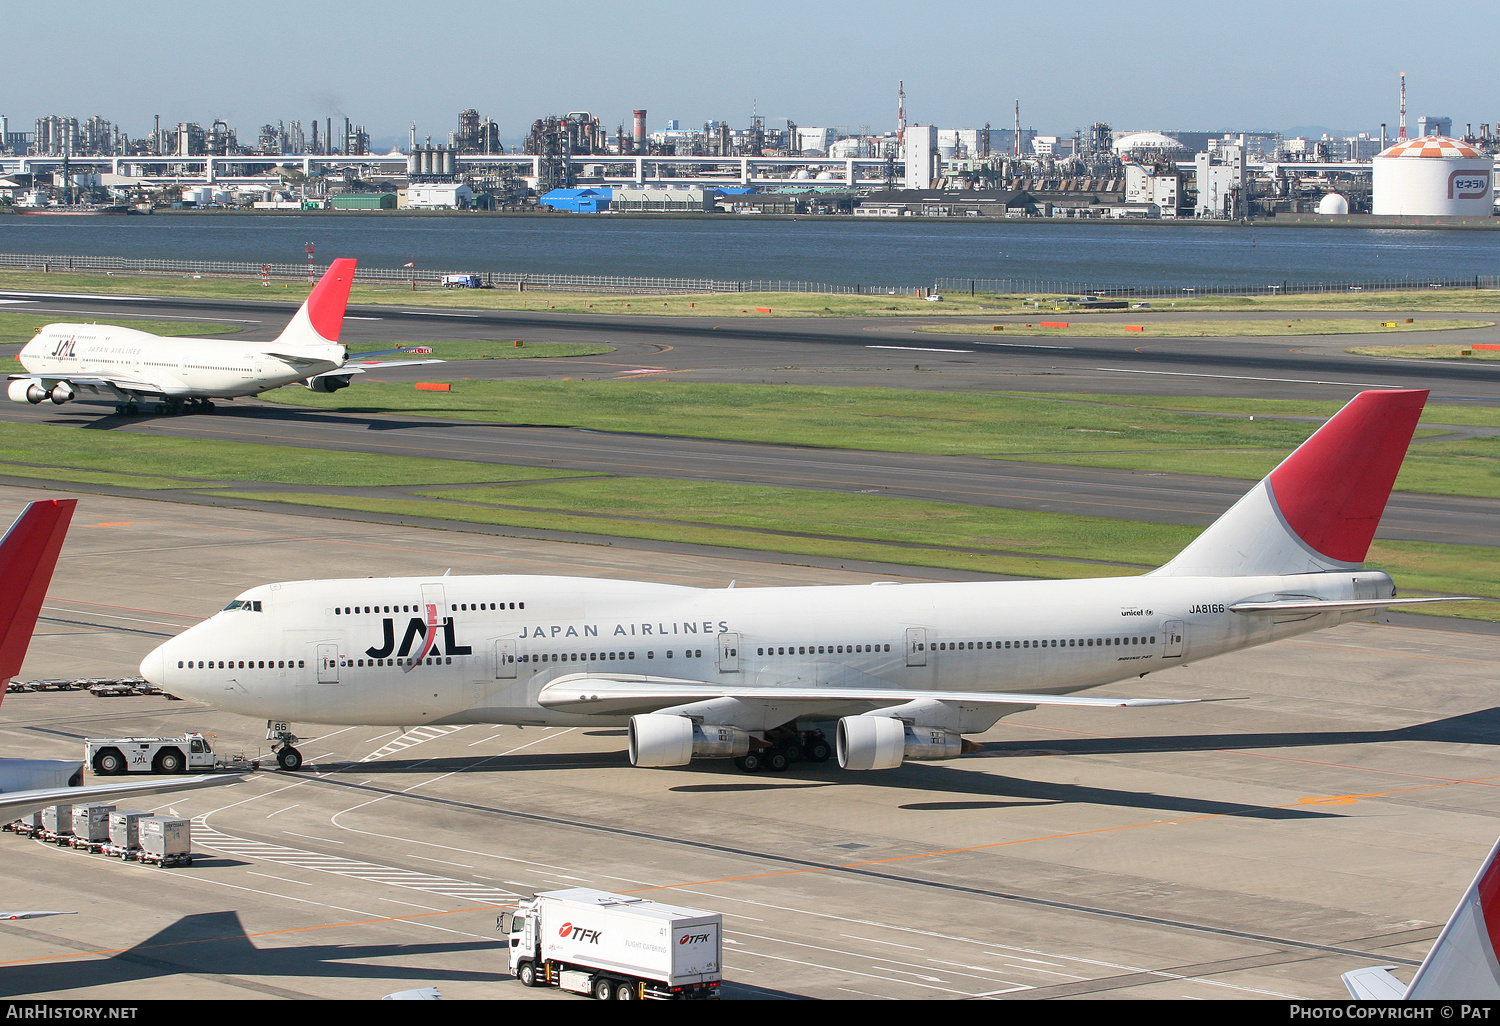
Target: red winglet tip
<point x="330" y="298"/>
<point x="1333" y="489"/>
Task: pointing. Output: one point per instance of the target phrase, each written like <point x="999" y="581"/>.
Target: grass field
<point x="1212" y="329"/>
<point x="146" y="461"/>
<point x="1123" y="432"/>
<point x="19" y="327"/>
<point x="504" y="349"/>
<point x="781" y="304"/>
<point x="1427" y="352"/>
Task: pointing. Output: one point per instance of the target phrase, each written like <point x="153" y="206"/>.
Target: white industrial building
<point x="920" y="159"/>
<point x="438" y="196"/>
<point x="1433" y="176"/>
<point x="1153" y="186"/>
<point x="1220" y="180"/>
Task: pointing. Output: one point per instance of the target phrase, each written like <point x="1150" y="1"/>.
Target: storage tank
<point x="1433" y="175"/>
<point x="1333" y="203"/>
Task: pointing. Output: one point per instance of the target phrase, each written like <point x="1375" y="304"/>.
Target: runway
<point x="1327" y="818"/>
<point x="824" y="353"/>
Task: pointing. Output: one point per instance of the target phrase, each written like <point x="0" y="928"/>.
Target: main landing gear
<point x="167" y="408"/>
<point x="784" y="746"/>
<point x="287" y="756"/>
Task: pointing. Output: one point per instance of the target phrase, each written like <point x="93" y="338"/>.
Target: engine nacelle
<point x="61" y="392"/>
<point x="326" y="383"/>
<point x="871" y="742"/>
<point x="883" y="742"/>
<point x="26" y="390"/>
<point x="657" y="740"/>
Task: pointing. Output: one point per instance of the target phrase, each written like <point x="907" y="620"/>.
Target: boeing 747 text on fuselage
<point x="880" y="673"/>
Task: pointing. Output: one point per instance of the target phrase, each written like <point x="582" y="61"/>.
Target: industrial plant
<point x="575" y="163"/>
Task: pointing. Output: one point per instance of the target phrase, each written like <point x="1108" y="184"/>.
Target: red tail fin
<point x="28" y="555"/>
<point x="1333" y="489"/>
<point x="329" y="299"/>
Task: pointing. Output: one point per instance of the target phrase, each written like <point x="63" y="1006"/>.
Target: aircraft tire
<point x="289" y="759"/>
<point x="750" y="763"/>
<point x="777" y="760"/>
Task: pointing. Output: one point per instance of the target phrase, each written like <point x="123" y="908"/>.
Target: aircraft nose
<point x="154" y="666"/>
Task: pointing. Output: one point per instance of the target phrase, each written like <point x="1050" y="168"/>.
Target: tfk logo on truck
<point x="578" y="933"/>
<point x="1469" y="185"/>
<point x="694" y="938"/>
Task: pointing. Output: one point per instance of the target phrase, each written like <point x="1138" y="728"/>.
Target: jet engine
<point x="324" y="383"/>
<point x="61" y="392"/>
<point x="884" y="742"/>
<point x="26" y="390"/>
<point x="658" y="739"/>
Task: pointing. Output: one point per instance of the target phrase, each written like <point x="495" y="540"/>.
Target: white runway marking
<point x="206" y="836"/>
<point x="415" y="736"/>
<point x="920" y="349"/>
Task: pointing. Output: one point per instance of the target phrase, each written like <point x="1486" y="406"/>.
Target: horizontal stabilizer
<point x="1374" y="984"/>
<point x="629" y="695"/>
<point x="1314" y="606"/>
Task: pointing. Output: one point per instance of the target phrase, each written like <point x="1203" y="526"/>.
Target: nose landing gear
<point x="287" y="756"/>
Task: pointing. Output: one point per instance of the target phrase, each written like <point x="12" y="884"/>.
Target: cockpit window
<point x="245" y="604"/>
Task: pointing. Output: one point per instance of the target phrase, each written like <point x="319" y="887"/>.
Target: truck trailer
<point x="614" y="946"/>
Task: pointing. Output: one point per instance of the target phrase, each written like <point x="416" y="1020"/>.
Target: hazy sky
<point x="1168" y="64"/>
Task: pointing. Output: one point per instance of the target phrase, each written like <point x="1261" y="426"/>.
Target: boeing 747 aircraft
<point x="770" y="675"/>
<point x="128" y="367"/>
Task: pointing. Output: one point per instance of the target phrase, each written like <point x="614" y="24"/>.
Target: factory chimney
<point x="639" y="132"/>
<point x="1400" y="135"/>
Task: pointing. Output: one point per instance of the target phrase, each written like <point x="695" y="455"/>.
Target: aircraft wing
<point x="121" y="389"/>
<point x="15" y="804"/>
<point x="630" y="695"/>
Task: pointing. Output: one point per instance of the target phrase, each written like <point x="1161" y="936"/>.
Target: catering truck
<point x="614" y="946"/>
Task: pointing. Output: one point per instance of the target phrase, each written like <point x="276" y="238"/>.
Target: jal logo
<point x="692" y="938"/>
<point x="66" y="348"/>
<point x="1469" y="185"/>
<point x="418" y="636"/>
<point x="578" y="933"/>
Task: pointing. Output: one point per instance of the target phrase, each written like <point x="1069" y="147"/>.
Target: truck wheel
<point x="526" y="973"/>
<point x="604" y="989"/>
<point x="625" y="992"/>
<point x="169" y="760"/>
<point x="109" y="763"/>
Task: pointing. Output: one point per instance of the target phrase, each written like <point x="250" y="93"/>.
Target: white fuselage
<point x="179" y="368"/>
<point x="342" y="651"/>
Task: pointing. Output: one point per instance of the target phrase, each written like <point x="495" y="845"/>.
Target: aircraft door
<point x="328" y="664"/>
<point x="916" y="646"/>
<point x="505" y="659"/>
<point x="729" y="652"/>
<point x="1175" y="639"/>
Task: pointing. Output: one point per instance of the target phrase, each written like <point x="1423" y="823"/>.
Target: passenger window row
<point x="590" y="657"/>
<point x="409" y="608"/>
<point x="821" y="649"/>
<point x="949" y="646"/>
<point x="230" y="664"/>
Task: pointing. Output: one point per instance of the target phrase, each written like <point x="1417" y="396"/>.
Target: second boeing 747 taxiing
<point x="880" y="674"/>
<point x="128" y="367"/>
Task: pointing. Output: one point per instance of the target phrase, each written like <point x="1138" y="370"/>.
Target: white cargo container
<point x="615" y="946"/>
<point x="125" y="832"/>
<point x="91" y="825"/>
<point x="165" y="841"/>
